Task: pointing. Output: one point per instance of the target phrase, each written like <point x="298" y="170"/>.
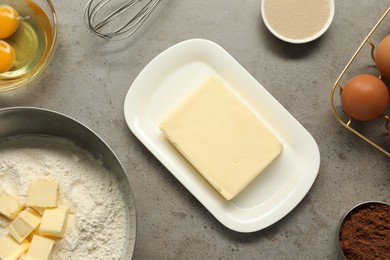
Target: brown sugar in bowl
<point x="364" y="231"/>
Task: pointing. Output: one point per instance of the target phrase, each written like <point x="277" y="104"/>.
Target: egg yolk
<point x="7" y="56"/>
<point x="9" y="21"/>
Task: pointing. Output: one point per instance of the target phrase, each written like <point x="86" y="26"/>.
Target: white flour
<point x="97" y="222"/>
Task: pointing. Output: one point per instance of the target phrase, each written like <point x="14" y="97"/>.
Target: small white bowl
<point x="304" y="40"/>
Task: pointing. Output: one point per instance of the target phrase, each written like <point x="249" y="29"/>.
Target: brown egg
<point x="382" y="57"/>
<point x="364" y="97"/>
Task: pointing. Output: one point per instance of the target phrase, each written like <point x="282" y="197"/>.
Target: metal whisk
<point x="132" y="10"/>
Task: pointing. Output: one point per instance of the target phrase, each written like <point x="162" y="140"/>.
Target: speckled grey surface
<point x="88" y="79"/>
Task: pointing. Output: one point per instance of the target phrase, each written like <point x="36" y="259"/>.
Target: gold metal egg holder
<point x="347" y="123"/>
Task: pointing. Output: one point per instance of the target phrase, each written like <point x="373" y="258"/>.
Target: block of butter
<point x="221" y="137"/>
<point x="42" y="193"/>
<point x="40" y="248"/>
<point x="10" y="249"/>
<point x="9" y="205"/>
<point x="24" y="224"/>
<point x="54" y="222"/>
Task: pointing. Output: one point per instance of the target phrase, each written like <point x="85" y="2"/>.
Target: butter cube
<point x="40" y="248"/>
<point x="54" y="222"/>
<point x="24" y="224"/>
<point x="221" y="138"/>
<point x="9" y="205"/>
<point x="10" y="249"/>
<point x="42" y="193"/>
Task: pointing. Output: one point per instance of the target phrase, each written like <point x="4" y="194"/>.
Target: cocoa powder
<point x="365" y="232"/>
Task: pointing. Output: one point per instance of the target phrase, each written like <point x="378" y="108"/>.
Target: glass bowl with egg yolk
<point x="28" y="36"/>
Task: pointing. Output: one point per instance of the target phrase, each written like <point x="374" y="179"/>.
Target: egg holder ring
<point x="336" y="85"/>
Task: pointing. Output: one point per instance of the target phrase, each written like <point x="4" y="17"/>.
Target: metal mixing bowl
<point x="19" y="121"/>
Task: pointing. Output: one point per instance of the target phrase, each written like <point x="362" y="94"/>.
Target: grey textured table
<point x="88" y="79"/>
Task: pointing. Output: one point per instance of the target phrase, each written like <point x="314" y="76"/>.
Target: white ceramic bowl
<point x="304" y="40"/>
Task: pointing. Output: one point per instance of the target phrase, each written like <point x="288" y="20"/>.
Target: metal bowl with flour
<point x="20" y="122"/>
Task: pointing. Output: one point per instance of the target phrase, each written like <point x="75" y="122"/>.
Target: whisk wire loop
<point x="95" y="7"/>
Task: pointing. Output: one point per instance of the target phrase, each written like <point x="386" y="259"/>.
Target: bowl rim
<point x="304" y="40"/>
<point x="18" y="82"/>
<point x="347" y="213"/>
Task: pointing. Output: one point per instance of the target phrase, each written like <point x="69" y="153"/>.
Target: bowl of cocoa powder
<point x="364" y="231"/>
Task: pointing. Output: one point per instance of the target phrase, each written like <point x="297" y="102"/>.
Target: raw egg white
<point x="382" y="57"/>
<point x="9" y="21"/>
<point x="364" y="97"/>
<point x="7" y="56"/>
